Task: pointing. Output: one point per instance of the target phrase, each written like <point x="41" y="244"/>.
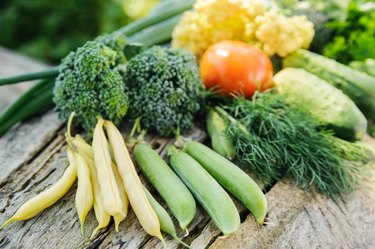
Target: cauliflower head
<point x="249" y="21"/>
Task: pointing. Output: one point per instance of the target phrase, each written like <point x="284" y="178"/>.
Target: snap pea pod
<point x="46" y="198"/>
<point x="206" y="190"/>
<point x="84" y="196"/>
<point x="166" y="223"/>
<point x="216" y="128"/>
<point x="232" y="178"/>
<point x="178" y="198"/>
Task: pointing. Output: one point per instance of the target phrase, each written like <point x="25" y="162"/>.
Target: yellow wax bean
<point x="133" y="187"/>
<point x="84" y="195"/>
<point x="124" y="198"/>
<point x="101" y="215"/>
<point x="83" y="147"/>
<point x="46" y="198"/>
<point x="107" y="181"/>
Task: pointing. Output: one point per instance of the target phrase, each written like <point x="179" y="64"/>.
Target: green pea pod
<point x="207" y="191"/>
<point x="232" y="178"/>
<point x="216" y="128"/>
<point x="166" y="223"/>
<point x="166" y="182"/>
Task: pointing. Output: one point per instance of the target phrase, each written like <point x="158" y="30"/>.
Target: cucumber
<point x="231" y="177"/>
<point x="166" y="182"/>
<point x="360" y="87"/>
<point x="216" y="128"/>
<point x="207" y="191"/>
<point x="330" y="106"/>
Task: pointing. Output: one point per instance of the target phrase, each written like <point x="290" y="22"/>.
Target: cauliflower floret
<point x="249" y="21"/>
<point x="212" y="21"/>
<point x="283" y="35"/>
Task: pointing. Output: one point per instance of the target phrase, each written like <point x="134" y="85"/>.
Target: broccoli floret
<point x="164" y="89"/>
<point x="90" y="83"/>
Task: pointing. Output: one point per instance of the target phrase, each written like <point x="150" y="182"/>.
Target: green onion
<point x="33" y="106"/>
<point x="24" y="99"/>
<point x="156" y="34"/>
<point x="48" y="73"/>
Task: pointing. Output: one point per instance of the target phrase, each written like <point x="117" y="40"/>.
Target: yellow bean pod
<point x="133" y="187"/>
<point x="46" y="198"/>
<point x="83" y="147"/>
<point x="101" y="215"/>
<point x="107" y="181"/>
<point x="84" y="195"/>
<point x="124" y="198"/>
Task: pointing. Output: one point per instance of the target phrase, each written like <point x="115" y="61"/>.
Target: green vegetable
<point x="366" y="66"/>
<point x="355" y="36"/>
<point x="322" y="101"/>
<point x="165" y="89"/>
<point x="166" y="223"/>
<point x="359" y="86"/>
<point x="207" y="191"/>
<point x="159" y="26"/>
<point x="37" y="100"/>
<point x="90" y="83"/>
<point x="232" y="178"/>
<point x="216" y="128"/>
<point x="277" y="140"/>
<point x="169" y="186"/>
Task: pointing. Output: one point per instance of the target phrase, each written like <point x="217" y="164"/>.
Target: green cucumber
<point x="360" y="87"/>
<point x="166" y="223"/>
<point x="166" y="182"/>
<point x="331" y="107"/>
<point x="207" y="191"/>
<point x="232" y="178"/>
<point x="216" y="128"/>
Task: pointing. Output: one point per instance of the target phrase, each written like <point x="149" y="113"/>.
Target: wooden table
<point x="32" y="157"/>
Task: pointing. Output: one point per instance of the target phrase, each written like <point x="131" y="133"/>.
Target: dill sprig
<point x="278" y="140"/>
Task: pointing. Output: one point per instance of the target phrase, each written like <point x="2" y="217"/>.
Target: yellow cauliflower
<point x="282" y="35"/>
<point x="212" y="21"/>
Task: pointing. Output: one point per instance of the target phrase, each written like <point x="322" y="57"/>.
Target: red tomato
<point x="236" y="68"/>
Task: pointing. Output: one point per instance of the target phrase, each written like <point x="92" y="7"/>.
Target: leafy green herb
<point x="355" y="36"/>
<point x="277" y="140"/>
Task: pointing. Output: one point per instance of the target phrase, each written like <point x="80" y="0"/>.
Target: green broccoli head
<point x="90" y="83"/>
<point x="164" y="88"/>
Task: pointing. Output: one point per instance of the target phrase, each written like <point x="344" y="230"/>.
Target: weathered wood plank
<point x="298" y="220"/>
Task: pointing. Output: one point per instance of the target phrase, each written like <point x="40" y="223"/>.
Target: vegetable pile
<point x="109" y="183"/>
<point x="302" y="118"/>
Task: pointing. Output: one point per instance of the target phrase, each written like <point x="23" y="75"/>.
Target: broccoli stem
<point x="48" y="73"/>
